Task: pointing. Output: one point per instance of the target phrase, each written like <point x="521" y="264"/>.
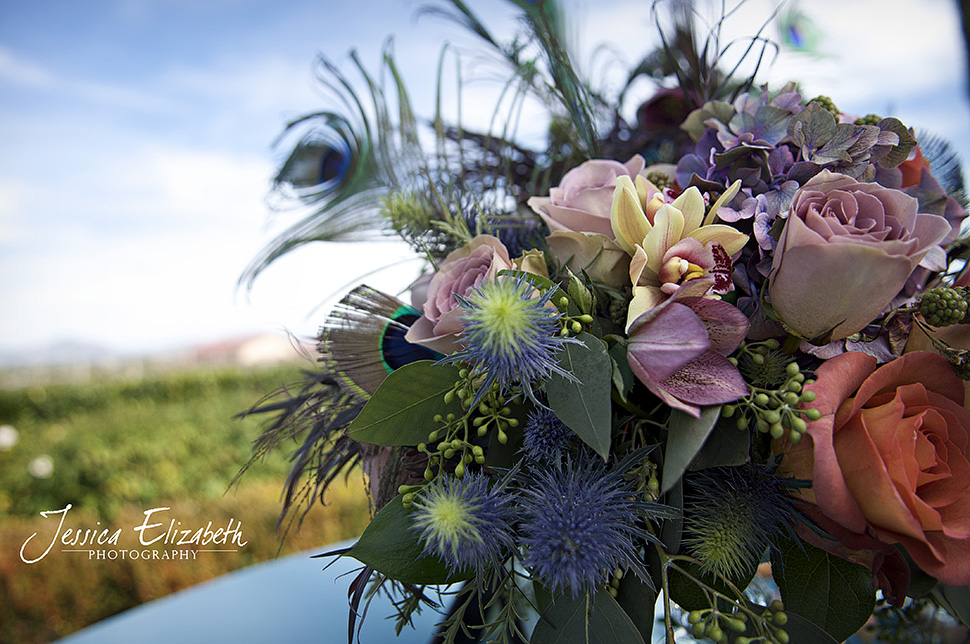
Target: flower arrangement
<point x="621" y="381"/>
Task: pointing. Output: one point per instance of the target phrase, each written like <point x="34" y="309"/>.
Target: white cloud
<point x="18" y="70"/>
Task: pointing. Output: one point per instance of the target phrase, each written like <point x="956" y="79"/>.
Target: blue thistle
<point x="581" y="522"/>
<point x="509" y="335"/>
<point x="544" y="436"/>
<point x="463" y="521"/>
<point x="733" y="514"/>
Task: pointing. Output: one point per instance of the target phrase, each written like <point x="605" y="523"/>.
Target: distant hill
<point x="78" y="361"/>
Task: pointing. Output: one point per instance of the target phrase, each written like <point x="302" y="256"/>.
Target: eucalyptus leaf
<point x="638" y="600"/>
<point x="834" y="594"/>
<point x="389" y="546"/>
<point x="623" y="376"/>
<point x="803" y="631"/>
<point x="689" y="596"/>
<point x="958" y="597"/>
<point x="685" y="437"/>
<point x="726" y="446"/>
<point x="585" y="406"/>
<point x="596" y="619"/>
<point x="402" y="410"/>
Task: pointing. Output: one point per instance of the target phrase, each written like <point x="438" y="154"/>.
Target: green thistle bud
<point x="768" y="368"/>
<point x="732" y="515"/>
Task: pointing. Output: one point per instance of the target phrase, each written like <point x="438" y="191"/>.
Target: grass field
<point x="114" y="449"/>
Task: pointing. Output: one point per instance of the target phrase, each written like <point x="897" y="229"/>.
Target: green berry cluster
<point x="827" y="104"/>
<point x="713" y="624"/>
<point x="773" y="621"/>
<point x="762" y="363"/>
<point x="572" y="324"/>
<point x="776" y="410"/>
<point x="869" y="119"/>
<point x="943" y="306"/>
<point x="613" y="587"/>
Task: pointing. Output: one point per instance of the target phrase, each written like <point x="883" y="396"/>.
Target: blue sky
<point x="135" y="145"/>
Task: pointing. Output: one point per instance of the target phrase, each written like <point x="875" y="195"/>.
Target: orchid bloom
<point x="679" y="349"/>
<point x="671" y="243"/>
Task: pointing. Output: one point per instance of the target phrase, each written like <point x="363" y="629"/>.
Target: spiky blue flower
<point x="511" y="336"/>
<point x="581" y="522"/>
<point x="463" y="521"/>
<point x="544" y="436"/>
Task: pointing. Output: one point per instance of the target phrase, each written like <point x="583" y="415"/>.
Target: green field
<point x="115" y="448"/>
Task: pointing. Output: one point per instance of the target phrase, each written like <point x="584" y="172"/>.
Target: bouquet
<point x="713" y="356"/>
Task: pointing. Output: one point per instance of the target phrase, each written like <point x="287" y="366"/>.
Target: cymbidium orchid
<point x="679" y="349"/>
<point x="671" y="243"/>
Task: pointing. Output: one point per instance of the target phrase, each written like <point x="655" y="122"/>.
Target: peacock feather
<point x="362" y="340"/>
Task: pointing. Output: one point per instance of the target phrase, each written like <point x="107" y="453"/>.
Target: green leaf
<point x="726" y="446"/>
<point x="802" y="631"/>
<point x="402" y="409"/>
<point x="586" y="620"/>
<point x="623" y="376"/>
<point x="958" y="598"/>
<point x="585" y="406"/>
<point x="689" y="596"/>
<point x="389" y="546"/>
<point x="685" y="437"/>
<point x="638" y="600"/>
<point x="834" y="594"/>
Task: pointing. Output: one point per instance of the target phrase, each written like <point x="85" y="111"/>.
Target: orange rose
<point x="889" y="460"/>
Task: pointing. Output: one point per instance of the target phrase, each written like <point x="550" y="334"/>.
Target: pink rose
<point x="582" y="201"/>
<point x="845" y="252"/>
<point x="462" y="270"/>
<point x="889" y="460"/>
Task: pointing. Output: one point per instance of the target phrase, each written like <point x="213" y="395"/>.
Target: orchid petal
<point x="629" y="223"/>
<point x="726" y="325"/>
<point x="691" y="205"/>
<point x="727" y="196"/>
<point x="709" y="379"/>
<point x="667" y="230"/>
<point x="666" y="342"/>
<point x="645" y="298"/>
<point x="728" y="237"/>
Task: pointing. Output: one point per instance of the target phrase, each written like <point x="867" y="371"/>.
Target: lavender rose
<point x="845" y="253"/>
<point x="582" y="201"/>
<point x="463" y="269"/>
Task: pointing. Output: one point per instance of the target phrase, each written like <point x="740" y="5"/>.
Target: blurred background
<point x="136" y="155"/>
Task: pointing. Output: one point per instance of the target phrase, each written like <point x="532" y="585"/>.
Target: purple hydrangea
<point x="545" y="436"/>
<point x="581" y="522"/>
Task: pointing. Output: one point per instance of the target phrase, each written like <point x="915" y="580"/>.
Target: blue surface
<point x="291" y="599"/>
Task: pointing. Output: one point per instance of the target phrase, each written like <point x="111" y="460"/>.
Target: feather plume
<point x="363" y="339"/>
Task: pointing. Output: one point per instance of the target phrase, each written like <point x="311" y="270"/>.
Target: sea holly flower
<point x="463" y="521"/>
<point x="679" y="349"/>
<point x="479" y="260"/>
<point x="670" y="243"/>
<point x="545" y="437"/>
<point x="580" y="522"/>
<point x="511" y="334"/>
